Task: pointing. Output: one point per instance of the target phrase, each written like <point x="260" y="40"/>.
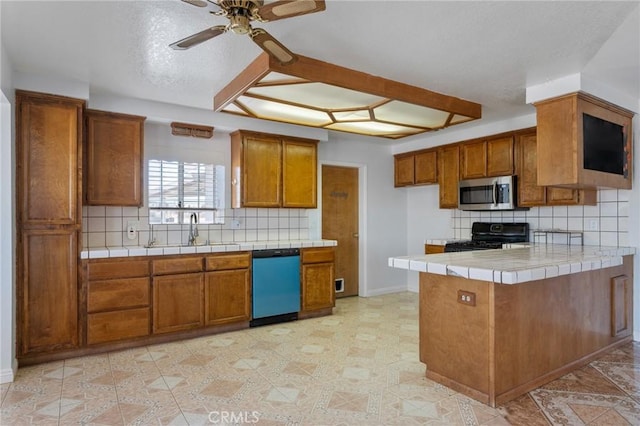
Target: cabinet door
<point x="299" y="174"/>
<point x="562" y="196"/>
<point x="473" y="160"/>
<point x="529" y="193"/>
<point x="433" y="249"/>
<point x="48" y="296"/>
<point x="114" y="145"/>
<point x="404" y="170"/>
<point x="262" y="172"/>
<point x="227" y="296"/>
<point x="117" y="325"/>
<point x="426" y="167"/>
<point x="177" y="302"/>
<point x="500" y="156"/>
<point x="48" y="159"/>
<point x="448" y="175"/>
<point x="318" y="290"/>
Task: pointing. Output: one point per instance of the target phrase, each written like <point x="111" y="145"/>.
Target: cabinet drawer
<point x="104" y="270"/>
<point x="318" y="255"/>
<point x="117" y="294"/>
<point x="180" y="265"/>
<point x="228" y="261"/>
<point x="118" y="325"/>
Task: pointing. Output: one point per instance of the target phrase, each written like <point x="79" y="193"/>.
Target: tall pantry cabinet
<point x="49" y="215"/>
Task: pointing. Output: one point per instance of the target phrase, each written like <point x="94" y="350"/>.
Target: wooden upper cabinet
<point x="265" y="166"/>
<point x="114" y="154"/>
<point x="529" y="193"/>
<point x="261" y="172"/>
<point x="416" y="168"/>
<point x="426" y="167"/>
<point x="584" y="142"/>
<point x="473" y="160"/>
<point x="500" y="157"/>
<point x="48" y="158"/>
<point x="448" y="175"/>
<point x="487" y="158"/>
<point x="299" y="173"/>
<point x="404" y="166"/>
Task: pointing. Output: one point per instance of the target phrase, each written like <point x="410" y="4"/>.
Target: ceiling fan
<point x="242" y="12"/>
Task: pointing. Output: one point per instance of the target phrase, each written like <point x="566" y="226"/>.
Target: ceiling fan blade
<point x="198" y="38"/>
<point x="288" y="8"/>
<point x="272" y="46"/>
<point x="199" y="3"/>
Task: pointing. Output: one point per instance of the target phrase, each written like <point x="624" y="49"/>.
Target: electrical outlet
<point x="593" y="224"/>
<point x="466" y="298"/>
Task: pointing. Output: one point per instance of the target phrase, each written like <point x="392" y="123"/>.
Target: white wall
<point x="8" y="364"/>
<point x="424" y="218"/>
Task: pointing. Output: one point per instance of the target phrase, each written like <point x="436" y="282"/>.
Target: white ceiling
<point x="486" y="52"/>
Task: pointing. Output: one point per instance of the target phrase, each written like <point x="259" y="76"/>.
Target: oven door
<point x="495" y="193"/>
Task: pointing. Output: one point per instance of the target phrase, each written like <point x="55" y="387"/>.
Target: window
<point x="177" y="189"/>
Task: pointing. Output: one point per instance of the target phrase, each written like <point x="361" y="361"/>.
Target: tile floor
<point x="357" y="367"/>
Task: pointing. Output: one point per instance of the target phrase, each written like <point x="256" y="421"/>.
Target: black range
<point x="491" y="235"/>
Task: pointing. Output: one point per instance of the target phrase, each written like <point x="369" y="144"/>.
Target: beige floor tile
<point x="359" y="366"/>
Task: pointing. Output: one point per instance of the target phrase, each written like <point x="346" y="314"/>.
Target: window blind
<point x="175" y="185"/>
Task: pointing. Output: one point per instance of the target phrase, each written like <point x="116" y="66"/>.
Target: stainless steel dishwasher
<point x="275" y="286"/>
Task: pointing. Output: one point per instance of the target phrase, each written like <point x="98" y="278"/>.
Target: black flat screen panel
<point x="603" y="145"/>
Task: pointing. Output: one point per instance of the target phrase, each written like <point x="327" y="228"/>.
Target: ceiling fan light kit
<point x="242" y="12"/>
<point x="314" y="93"/>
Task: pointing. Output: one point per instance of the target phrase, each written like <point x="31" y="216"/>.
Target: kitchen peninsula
<point x="495" y="324"/>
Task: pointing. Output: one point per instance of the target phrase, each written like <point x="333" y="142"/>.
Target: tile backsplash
<point x="106" y="227"/>
<point x="606" y="223"/>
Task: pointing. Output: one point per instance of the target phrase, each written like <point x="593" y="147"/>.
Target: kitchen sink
<point x="188" y="245"/>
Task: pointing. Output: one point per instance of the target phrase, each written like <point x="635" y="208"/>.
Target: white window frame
<point x="175" y="205"/>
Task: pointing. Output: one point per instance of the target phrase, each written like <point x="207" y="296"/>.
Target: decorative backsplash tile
<point x="605" y="224"/>
<point x="106" y="227"/>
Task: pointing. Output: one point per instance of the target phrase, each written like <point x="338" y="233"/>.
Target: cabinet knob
<point x="356" y="235"/>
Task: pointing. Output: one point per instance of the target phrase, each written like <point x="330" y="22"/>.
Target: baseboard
<point x="7" y="375"/>
<point x="414" y="287"/>
<point x="636" y="335"/>
<point x="386" y="290"/>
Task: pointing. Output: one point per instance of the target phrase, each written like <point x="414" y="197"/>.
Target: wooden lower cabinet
<point x="177" y="302"/>
<point x="317" y="284"/>
<point x="227" y="296"/>
<point x="111" y="326"/>
<point x="48" y="310"/>
<point x="227" y="288"/>
<point x="521" y="336"/>
<point x="117" y="300"/>
<point x="433" y="248"/>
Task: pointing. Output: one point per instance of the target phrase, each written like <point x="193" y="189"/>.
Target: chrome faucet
<point x="152" y="239"/>
<point x="193" y="229"/>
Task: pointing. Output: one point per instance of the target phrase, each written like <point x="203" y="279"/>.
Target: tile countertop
<point x="516" y="263"/>
<point x="102" y="252"/>
<point x="444" y="241"/>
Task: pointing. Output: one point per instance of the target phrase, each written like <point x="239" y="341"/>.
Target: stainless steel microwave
<point x="494" y="193"/>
